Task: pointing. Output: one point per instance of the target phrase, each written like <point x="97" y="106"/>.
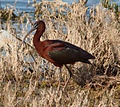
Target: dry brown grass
<point x="28" y="80"/>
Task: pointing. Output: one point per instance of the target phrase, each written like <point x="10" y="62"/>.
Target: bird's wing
<point x="64" y="52"/>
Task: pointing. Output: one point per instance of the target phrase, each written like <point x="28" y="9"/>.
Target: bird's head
<point x="38" y="25"/>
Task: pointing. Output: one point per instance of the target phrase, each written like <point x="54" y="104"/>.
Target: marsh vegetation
<point x="28" y="80"/>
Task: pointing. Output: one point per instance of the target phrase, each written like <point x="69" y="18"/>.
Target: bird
<point x="57" y="52"/>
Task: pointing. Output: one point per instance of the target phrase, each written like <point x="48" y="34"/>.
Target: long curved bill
<point x="28" y="34"/>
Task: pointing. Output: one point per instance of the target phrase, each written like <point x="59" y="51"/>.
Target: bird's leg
<point x="60" y="78"/>
<point x="70" y="75"/>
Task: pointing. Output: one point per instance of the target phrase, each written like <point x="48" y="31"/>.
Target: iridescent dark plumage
<point x="56" y="51"/>
<point x="66" y="53"/>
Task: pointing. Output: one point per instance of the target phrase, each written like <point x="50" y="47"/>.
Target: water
<point x="26" y="5"/>
<point x="21" y="5"/>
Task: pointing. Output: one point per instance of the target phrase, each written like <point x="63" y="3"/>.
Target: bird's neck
<point x="36" y="38"/>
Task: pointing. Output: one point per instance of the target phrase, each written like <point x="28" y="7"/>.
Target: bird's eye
<point x="35" y="25"/>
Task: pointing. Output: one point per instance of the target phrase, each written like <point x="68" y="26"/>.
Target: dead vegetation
<point x="28" y="80"/>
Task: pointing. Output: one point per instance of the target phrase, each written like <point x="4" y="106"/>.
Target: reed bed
<point x="28" y="80"/>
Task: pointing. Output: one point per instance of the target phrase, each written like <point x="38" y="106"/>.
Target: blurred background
<point x="26" y="5"/>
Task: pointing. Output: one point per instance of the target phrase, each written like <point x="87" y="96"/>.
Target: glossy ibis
<point x="56" y="51"/>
